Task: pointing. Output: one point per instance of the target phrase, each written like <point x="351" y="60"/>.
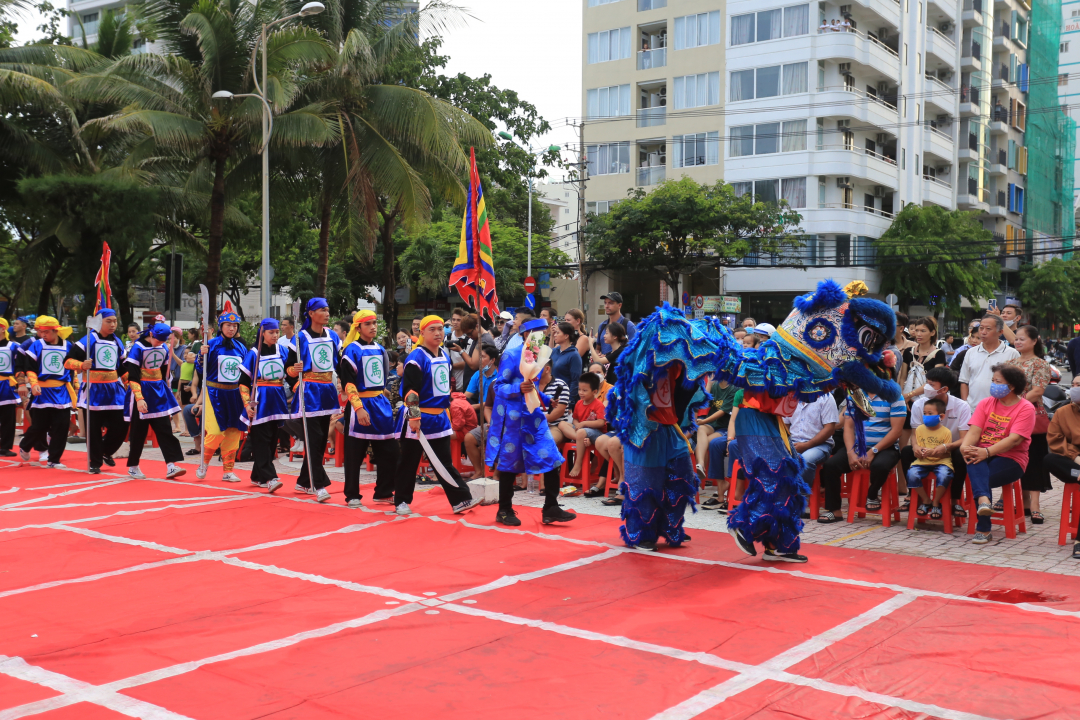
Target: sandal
<point x="923" y="510"/>
<point x="873" y="505"/>
<point x="999" y="506"/>
<point x="722" y="508"/>
<point x="904" y="506"/>
<point x="935" y="513"/>
<point x="594" y="491"/>
<point x="613" y="500"/>
<point x="1037" y="517"/>
<point x="827" y="516"/>
<point x="958" y="511"/>
<point x="1076" y="550"/>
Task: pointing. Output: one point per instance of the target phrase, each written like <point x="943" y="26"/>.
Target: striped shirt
<point x="559" y="392"/>
<point x="878" y="426"/>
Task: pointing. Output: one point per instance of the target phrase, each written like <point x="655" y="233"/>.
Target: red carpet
<point x="199" y="599"/>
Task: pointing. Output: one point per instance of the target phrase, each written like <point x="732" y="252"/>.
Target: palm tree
<point x="209" y="146"/>
<point x="426" y="264"/>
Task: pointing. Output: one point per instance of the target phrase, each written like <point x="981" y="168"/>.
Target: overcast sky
<point x="531" y="46"/>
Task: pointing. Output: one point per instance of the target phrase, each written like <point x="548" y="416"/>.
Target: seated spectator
<point x="930" y="443"/>
<point x="605" y="387"/>
<point x="996" y="446"/>
<point x="720" y="460"/>
<point x="474" y="439"/>
<point x="721" y="394"/>
<point x="882" y="453"/>
<point x="609" y="448"/>
<point x="811" y="429"/>
<point x="956" y="417"/>
<point x="1063" y="436"/>
<point x="588" y="423"/>
<point x="489" y="364"/>
<point x="558" y="411"/>
<point x="739" y="334"/>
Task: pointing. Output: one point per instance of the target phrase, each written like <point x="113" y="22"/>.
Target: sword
<point x="436" y="464"/>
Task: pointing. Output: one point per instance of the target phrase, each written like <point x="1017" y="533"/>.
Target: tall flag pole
<point x="473" y="274"/>
<point x="101" y="302"/>
<point x="101" y="281"/>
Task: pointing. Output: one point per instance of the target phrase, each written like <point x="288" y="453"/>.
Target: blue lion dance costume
<point x="832" y="338"/>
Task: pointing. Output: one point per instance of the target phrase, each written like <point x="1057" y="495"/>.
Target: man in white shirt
<point x="977" y="371"/>
<point x="811" y="428"/>
<point x="957" y="418"/>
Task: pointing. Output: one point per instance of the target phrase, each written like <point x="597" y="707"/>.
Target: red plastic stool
<point x="153" y="436"/>
<point x="817" y="496"/>
<point x="462" y="464"/>
<point x="612" y="482"/>
<point x="585" y="478"/>
<point x="1070" y="513"/>
<point x="890" y="497"/>
<point x="734" y="497"/>
<point x="339" y="449"/>
<point x="367" y="464"/>
<point x="946" y="508"/>
<point x="1011" y="516"/>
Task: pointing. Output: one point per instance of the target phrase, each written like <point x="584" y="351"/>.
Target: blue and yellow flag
<point x="473" y="274"/>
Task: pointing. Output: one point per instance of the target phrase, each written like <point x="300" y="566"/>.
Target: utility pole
<point x="582" y="169"/>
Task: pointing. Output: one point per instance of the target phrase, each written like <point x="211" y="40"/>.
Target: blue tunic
<point x="8" y="394"/>
<point x="224" y="365"/>
<point x="518" y="441"/>
<point x="48" y="362"/>
<point x="434" y="394"/>
<point x="318" y="354"/>
<point x="159" y="398"/>
<point x="371" y="364"/>
<point x="105" y="354"/>
<point x="273" y="404"/>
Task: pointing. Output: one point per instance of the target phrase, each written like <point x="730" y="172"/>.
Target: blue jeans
<point x="813" y="457"/>
<point x="993" y="473"/>
<point x="717" y="453"/>
<point x="916" y="474"/>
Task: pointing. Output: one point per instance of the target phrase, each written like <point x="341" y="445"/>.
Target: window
<point x="766" y="138"/>
<point x="609" y="159"/>
<point x="610" y="45"/>
<point x="918" y="62"/>
<point x="1020" y="117"/>
<point x="1023" y="83"/>
<point x="600" y="206"/>
<point x="1010" y="157"/>
<point x="1064" y="47"/>
<point x="1019" y="28"/>
<point x="742" y="141"/>
<point x="90" y="17"/>
<point x="905" y="53"/>
<point x="1016" y="199"/>
<point x="794" y="136"/>
<point x="742" y="188"/>
<point x="698" y="149"/>
<point x="742" y="29"/>
<point x="769" y="81"/>
<point x="699" y="90"/>
<point x="1022" y="160"/>
<point x="693" y="31"/>
<point x="594" y="3"/>
<point x="1063" y="79"/>
<point x="794" y="191"/>
<point x="766" y="190"/>
<point x="903" y="158"/>
<point x="605" y="102"/>
<point x="796" y="20"/>
<point x="770" y="24"/>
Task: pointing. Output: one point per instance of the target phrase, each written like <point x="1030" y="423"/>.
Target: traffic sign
<point x="699" y="302"/>
<point x="891" y="300"/>
<point x="530" y="300"/>
<point x="530" y="285"/>
<point x="685" y="299"/>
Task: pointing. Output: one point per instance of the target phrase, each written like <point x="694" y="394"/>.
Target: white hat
<point x="505" y="315"/>
<point x="763" y="329"/>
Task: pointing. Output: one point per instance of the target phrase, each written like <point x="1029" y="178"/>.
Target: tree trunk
<point x="217" y="230"/>
<point x="45" y="295"/>
<point x="390" y="306"/>
<point x="324" y="245"/>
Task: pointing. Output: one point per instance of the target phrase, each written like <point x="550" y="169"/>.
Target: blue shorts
<point x="592" y="434"/>
<point x="916" y="474"/>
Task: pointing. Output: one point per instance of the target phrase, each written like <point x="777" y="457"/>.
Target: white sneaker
<point x="43" y="458"/>
<point x="355" y="503"/>
<point x="274" y="485"/>
<point x="384" y="501"/>
<point x="135" y="473"/>
<point x="297" y="447"/>
<point x="171" y="471"/>
<point x="201" y="471"/>
<point x="403" y="509"/>
<point x="23" y="455"/>
<point x="322" y="495"/>
<point x="465" y="505"/>
<point x="56" y="465"/>
<point x="230" y="477"/>
<point x="304" y="490"/>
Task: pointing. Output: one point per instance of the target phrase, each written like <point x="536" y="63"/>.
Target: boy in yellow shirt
<point x="932" y="456"/>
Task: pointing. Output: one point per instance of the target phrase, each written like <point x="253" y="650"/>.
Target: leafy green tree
<point x="1050" y="291"/>
<point x="682" y="225"/>
<point x="934" y="256"/>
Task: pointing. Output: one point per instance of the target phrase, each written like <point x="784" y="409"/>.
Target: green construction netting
<point x="1050" y="138"/>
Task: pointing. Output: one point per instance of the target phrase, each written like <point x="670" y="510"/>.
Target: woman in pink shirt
<point x="996" y="446"/>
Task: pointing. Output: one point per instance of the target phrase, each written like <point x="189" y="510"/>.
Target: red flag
<point x="474" y="272"/>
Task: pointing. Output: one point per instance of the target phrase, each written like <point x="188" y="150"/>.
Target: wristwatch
<point x="874" y="450"/>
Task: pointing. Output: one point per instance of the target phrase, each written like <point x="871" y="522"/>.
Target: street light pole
<point x="532" y="158"/>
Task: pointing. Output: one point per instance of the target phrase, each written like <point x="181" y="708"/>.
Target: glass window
<point x="609" y="45"/>
<point x="794" y="136"/>
<point x="698" y="90"/>
<point x="608" y="159"/>
<point x="766" y="190"/>
<point x="794" y="191"/>
<point x="742" y="141"/>
<point x="712" y="148"/>
<point x="796" y="20"/>
<point x="742" y="188"/>
<point x="767" y="138"/>
<point x="769" y="25"/>
<point x="795" y="78"/>
<point x="768" y="81"/>
<point x="605" y="102"/>
<point x="742" y="85"/>
<point x="742" y="29"/>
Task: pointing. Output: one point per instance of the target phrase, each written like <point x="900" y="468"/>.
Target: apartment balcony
<point x="946" y="8"/>
<point x="652" y="59"/>
<point x="643" y="5"/>
<point x="939" y="142"/>
<point x="651" y="175"/>
<point x="976" y="198"/>
<point x="888" y="11"/>
<point x="940" y="47"/>
<point x="938" y="191"/>
<point x="997" y="206"/>
<point x="843" y="218"/>
<point x="999" y="163"/>
<point x="856" y="46"/>
<point x="856" y="162"/>
<point x="864" y="107"/>
<point x="971" y="56"/>
<point x="651" y="117"/>
<point x="972" y="14"/>
<point x="939" y="95"/>
<point x="970" y="96"/>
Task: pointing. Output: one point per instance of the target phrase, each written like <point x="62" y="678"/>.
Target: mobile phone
<point x="992" y="304"/>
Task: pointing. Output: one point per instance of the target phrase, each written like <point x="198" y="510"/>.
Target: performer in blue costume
<point x="102" y="354"/>
<point x="424" y="427"/>
<point x="9" y="396"/>
<point x="51" y="387"/>
<point x="267" y="404"/>
<point x="149" y="401"/>
<point x="831" y="339"/>
<point x="369" y="417"/>
<point x="520" y="441"/>
<point x="315" y="353"/>
<point x="662" y="376"/>
<point x="220" y="366"/>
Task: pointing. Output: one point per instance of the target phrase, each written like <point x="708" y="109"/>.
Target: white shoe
<point x="354" y="503"/>
<point x="465" y="505"/>
<point x="403" y="509"/>
<point x="273" y="486"/>
<point x="171" y="471"/>
<point x="304" y="491"/>
<point x="23" y="455"/>
<point x="135" y="473"/>
<point x="298" y="447"/>
<point x="322" y="495"/>
<point x="43" y="458"/>
<point x="230" y="477"/>
<point x="201" y="471"/>
<point x="56" y="465"/>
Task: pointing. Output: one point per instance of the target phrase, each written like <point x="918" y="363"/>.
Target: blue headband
<point x="160" y="331"/>
<point x="106" y="312"/>
<point x="316" y="303"/>
<point x="536" y="324"/>
<point x="269" y="324"/>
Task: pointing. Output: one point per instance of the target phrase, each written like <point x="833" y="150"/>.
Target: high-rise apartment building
<point x="846" y="110"/>
<point x="1069" y="72"/>
<point x="85" y="16"/>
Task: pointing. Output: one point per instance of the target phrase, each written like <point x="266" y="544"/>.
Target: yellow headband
<point x="429" y="320"/>
<point x="4" y="322"/>
<point x="44" y="322"/>
<point x="354" y="331"/>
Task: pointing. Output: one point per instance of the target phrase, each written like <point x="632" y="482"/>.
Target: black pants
<point x="405" y="482"/>
<point x="386" y="454"/>
<point x="263" y="437"/>
<point x="7" y="426"/>
<point x="170" y="446"/>
<point x="956" y="488"/>
<point x="47" y="422"/>
<point x="880" y="467"/>
<point x="506" y="489"/>
<point x="318" y="431"/>
<point x="116" y="429"/>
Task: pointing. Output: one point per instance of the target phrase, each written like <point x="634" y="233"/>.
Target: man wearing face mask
<point x="956" y="417"/>
<point x="1063" y="437"/>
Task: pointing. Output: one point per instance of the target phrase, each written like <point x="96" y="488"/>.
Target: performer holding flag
<point x="50" y="386"/>
<point x="101" y="353"/>
<point x="219" y="365"/>
<point x="267" y="405"/>
<point x="364" y="364"/>
<point x="315" y="354"/>
<point x="9" y="396"/>
<point x="150" y="402"/>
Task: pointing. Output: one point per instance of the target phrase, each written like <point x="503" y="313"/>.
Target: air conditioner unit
<point x="943" y="120"/>
<point x="946" y="27"/>
<point x="844" y="183"/>
<point x="882" y="138"/>
<point x="845" y="68"/>
<point x="879" y="191"/>
<point x="845" y="9"/>
<point x="843" y="124"/>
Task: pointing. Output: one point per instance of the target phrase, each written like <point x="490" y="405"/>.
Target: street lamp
<point x="309" y="9"/>
<point x="532" y="155"/>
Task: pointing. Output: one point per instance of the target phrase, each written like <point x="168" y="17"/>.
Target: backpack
<point x="462" y="415"/>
